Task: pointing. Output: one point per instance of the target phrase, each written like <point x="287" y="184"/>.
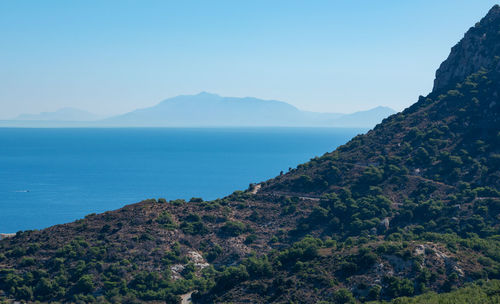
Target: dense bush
<point x="233" y="228"/>
<point x="166" y="221"/>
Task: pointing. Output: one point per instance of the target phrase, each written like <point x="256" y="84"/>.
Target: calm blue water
<point x="52" y="176"/>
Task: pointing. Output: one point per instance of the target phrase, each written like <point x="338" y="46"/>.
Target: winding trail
<point x="186" y="298"/>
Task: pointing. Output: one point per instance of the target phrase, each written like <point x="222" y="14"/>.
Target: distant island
<point x="64" y="114"/>
<point x="206" y="110"/>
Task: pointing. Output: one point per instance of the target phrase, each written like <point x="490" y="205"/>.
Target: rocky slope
<point x="478" y="49"/>
<point x="410" y="207"/>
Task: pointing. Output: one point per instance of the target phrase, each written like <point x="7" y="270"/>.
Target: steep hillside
<point x="408" y="208"/>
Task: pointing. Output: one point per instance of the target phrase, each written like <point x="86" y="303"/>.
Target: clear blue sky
<point x="332" y="56"/>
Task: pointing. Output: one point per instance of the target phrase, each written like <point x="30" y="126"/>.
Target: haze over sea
<point x="54" y="176"/>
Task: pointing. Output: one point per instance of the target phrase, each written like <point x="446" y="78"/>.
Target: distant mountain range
<point x="207" y="110"/>
<point x="64" y="114"/>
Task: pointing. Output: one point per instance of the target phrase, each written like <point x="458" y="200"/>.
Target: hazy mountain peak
<point x="207" y="94"/>
<point x="208" y="109"/>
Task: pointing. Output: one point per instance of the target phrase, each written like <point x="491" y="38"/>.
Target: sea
<point x="55" y="176"/>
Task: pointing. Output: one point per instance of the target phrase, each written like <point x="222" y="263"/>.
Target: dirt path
<point x="302" y="197"/>
<point x="317" y="199"/>
<point x="486" y="198"/>
<point x="186" y="298"/>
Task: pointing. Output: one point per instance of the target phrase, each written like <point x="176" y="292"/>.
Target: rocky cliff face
<point x="480" y="48"/>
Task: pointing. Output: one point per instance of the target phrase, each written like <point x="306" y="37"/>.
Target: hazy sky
<point x="110" y="57"/>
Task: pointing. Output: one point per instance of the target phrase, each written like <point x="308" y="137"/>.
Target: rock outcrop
<point x="478" y="49"/>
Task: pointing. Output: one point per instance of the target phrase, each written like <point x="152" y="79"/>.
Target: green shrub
<point x="166" y="221"/>
<point x="27" y="261"/>
<point x="233" y="228"/>
<point x="250" y="239"/>
<point x="85" y="284"/>
<point x="230" y="277"/>
<point x="397" y="287"/>
<point x="343" y="296"/>
<point x="194" y="228"/>
<point x="24" y="293"/>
